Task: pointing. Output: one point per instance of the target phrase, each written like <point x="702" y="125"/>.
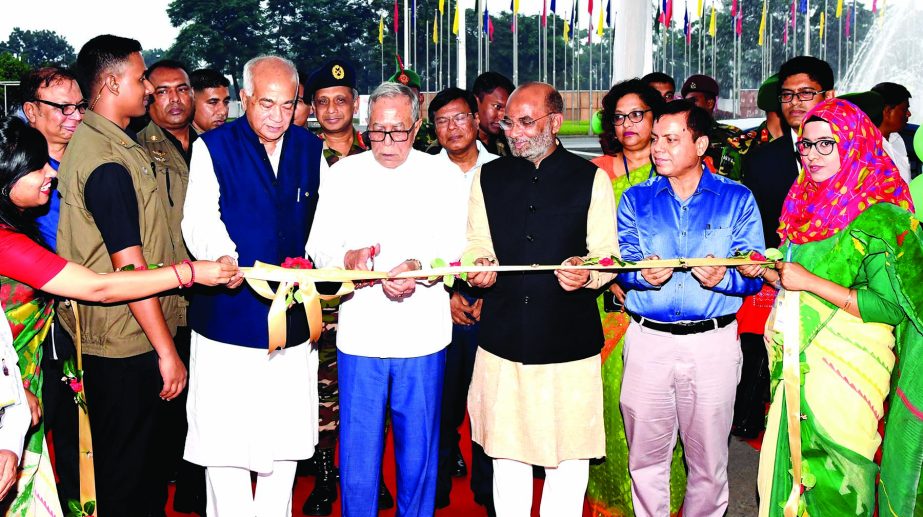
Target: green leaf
<point x="449" y="281"/>
<point x="69" y="368"/>
<point x="298" y="297"/>
<point x="89" y="507"/>
<point x="773" y="254"/>
<point x="74" y="507"/>
<point x="808" y="480"/>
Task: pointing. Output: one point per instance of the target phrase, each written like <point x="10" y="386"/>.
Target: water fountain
<point x="892" y="51"/>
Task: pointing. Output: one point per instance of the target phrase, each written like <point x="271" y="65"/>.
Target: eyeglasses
<point x="67" y="109"/>
<point x="634" y="116"/>
<point x="804" y="96"/>
<point x="824" y="146"/>
<point x="508" y="124"/>
<point x="458" y="118"/>
<point x="397" y="135"/>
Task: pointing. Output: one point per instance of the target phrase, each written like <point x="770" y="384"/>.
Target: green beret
<point x="768" y="97"/>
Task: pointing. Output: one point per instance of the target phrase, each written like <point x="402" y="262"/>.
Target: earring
<point x="5" y="191"/>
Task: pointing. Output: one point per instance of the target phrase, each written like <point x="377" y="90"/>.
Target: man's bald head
<point x="538" y="93"/>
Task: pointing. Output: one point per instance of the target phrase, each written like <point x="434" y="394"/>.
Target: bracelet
<point x="848" y="301"/>
<point x="178" y="279"/>
<point x="192" y="272"/>
<point x="417" y="265"/>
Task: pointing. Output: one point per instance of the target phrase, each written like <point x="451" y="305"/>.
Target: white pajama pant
<point x="562" y="495"/>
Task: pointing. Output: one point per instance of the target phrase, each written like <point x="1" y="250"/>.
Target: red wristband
<point x="192" y="272"/>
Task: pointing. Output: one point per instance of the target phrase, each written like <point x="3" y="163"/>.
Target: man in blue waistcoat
<point x="252" y="195"/>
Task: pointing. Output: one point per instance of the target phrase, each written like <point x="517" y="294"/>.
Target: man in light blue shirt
<point x="682" y="355"/>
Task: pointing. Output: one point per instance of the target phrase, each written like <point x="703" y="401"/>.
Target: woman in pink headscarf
<point x="853" y="253"/>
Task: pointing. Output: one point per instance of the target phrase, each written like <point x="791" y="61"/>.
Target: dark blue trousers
<point x="412" y="389"/>
<point x="459" y="366"/>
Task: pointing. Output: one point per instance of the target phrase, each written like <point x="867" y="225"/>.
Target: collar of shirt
<point x="193" y="136"/>
<point x="706" y="183"/>
<point x="484" y="156"/>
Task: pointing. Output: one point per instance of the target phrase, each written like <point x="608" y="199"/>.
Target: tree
<point x="221" y="35"/>
<point x="152" y="55"/>
<point x="40" y="48"/>
<point x="11" y="67"/>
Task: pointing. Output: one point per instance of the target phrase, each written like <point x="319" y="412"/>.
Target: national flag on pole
<point x="566" y="31"/>
<point x="701" y="10"/>
<point x="713" y="25"/>
<point x="874" y="6"/>
<point x="381" y="29"/>
<point x="823" y="22"/>
<point x="436" y="28"/>
<point x="486" y="20"/>
<point x="792" y="17"/>
<point x="739" y="28"/>
<point x="847" y="28"/>
<point x="589" y="7"/>
<point x="553" y="7"/>
<point x="600" y="26"/>
<point x="659" y="16"/>
<point x="668" y="14"/>
<point x="490" y="30"/>
<point x="839" y="8"/>
<point x="441" y="6"/>
<point x="785" y="35"/>
<point x="686" y="29"/>
<point x="763" y="24"/>
<point x="413" y="13"/>
<point x="803" y="7"/>
<point x="609" y="13"/>
<point x="544" y="13"/>
<point x="734" y="9"/>
<point x="455" y="21"/>
<point x="396" y="13"/>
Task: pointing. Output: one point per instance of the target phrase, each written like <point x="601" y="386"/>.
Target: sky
<point x="152" y="26"/>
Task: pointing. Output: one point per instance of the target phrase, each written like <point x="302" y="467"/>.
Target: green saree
<point x="30" y="319"/>
<point x="843" y="371"/>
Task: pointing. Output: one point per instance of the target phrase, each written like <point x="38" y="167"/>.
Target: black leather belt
<point x="686" y="327"/>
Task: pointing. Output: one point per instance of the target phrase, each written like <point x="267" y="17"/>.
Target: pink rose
<point x="76" y="386"/>
<point x="755" y="255"/>
<point x="606" y="261"/>
<point x="455" y="264"/>
<point x="297" y="263"/>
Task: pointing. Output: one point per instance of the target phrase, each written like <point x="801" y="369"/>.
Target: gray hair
<point x="250" y="65"/>
<point x="392" y="90"/>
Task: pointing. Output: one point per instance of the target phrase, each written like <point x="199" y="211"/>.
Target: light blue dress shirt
<point x="719" y="218"/>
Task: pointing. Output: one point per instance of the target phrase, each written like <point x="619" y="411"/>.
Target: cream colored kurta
<point x="541" y="414"/>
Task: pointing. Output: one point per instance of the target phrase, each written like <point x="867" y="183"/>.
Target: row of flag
<point x="605" y="19"/>
<point x="664" y="17"/>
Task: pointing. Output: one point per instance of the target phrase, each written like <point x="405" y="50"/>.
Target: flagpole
<point x="413" y="34"/>
<point x="426" y="70"/>
<point x="515" y="47"/>
<point x="554" y="48"/>
<point x="538" y="27"/>
<point x="407" y="56"/>
<point x="480" y="16"/>
<point x="461" y="78"/>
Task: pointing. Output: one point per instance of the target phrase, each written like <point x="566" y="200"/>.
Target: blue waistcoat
<point x="267" y="217"/>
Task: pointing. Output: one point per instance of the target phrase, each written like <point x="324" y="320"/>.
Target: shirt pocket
<point x="717" y="242"/>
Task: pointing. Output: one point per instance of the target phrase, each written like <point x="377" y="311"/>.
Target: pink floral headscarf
<point x="813" y="210"/>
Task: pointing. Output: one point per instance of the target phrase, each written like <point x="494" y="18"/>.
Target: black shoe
<point x="460" y="469"/>
<point x="385" y="501"/>
<point x="320" y="502"/>
<point x="488" y="504"/>
<point x="442" y="501"/>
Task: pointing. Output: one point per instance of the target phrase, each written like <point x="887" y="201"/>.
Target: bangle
<point x="848" y="301"/>
<point x="178" y="279"/>
<point x="416" y="264"/>
<point x="192" y="272"/>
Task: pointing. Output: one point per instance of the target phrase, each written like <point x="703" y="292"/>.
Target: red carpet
<point x="463" y="504"/>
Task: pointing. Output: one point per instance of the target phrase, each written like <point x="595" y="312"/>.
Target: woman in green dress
<point x="845" y="332"/>
<point x="627" y="119"/>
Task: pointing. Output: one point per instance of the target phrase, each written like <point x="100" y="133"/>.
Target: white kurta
<point x="246" y="408"/>
<point x="16" y="419"/>
<point x="415" y="211"/>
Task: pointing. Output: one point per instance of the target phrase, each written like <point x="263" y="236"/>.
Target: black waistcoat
<point x="538" y="216"/>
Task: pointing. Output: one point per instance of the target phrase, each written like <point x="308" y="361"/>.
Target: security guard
<point x="426" y="136"/>
<point x="331" y="90"/>
<point x="722" y="156"/>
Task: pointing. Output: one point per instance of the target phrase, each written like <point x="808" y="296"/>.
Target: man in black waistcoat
<point x="536" y="390"/>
